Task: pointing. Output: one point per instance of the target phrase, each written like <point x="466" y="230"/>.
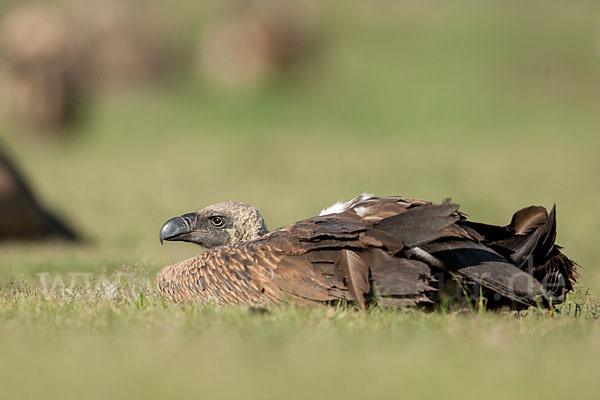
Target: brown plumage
<point x="21" y="215"/>
<point x="387" y="251"/>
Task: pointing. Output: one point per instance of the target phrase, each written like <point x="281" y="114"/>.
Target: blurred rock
<point x="127" y="43"/>
<point x="21" y="216"/>
<point x="258" y="39"/>
<point x="40" y="75"/>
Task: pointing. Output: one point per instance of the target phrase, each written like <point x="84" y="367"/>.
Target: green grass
<point x="81" y="344"/>
<point x="492" y="105"/>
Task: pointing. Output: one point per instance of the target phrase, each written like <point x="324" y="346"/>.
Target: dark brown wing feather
<point x="420" y="224"/>
<point x="356" y="275"/>
<point x="399" y="281"/>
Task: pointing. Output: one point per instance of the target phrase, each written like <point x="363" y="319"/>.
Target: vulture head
<point x="216" y="225"/>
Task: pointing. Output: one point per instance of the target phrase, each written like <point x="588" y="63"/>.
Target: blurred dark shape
<point x="255" y="41"/>
<point x="21" y="215"/>
<point x="41" y="84"/>
<point x="127" y="44"/>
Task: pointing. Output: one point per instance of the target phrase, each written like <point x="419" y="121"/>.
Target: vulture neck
<point x="250" y="228"/>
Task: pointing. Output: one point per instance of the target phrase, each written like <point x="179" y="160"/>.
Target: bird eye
<point x="217" y="221"/>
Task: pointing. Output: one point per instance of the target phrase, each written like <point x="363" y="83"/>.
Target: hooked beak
<point x="176" y="228"/>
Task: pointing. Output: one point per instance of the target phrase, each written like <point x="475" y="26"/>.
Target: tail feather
<point x="528" y="219"/>
<point x="478" y="263"/>
<point x="534" y="247"/>
<point x="529" y="242"/>
<point x="558" y="274"/>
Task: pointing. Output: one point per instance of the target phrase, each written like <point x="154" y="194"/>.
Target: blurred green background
<point x="495" y="104"/>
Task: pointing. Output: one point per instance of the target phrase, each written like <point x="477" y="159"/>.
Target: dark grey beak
<point x="174" y="228"/>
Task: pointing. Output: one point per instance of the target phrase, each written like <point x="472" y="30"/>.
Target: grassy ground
<point x="493" y="106"/>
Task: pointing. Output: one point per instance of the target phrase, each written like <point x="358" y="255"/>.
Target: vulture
<point x="41" y="66"/>
<point x="254" y="42"/>
<point x="390" y="252"/>
<point x="21" y="215"/>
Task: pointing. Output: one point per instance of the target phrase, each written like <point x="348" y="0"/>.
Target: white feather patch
<point x="361" y="210"/>
<point x="340" y="206"/>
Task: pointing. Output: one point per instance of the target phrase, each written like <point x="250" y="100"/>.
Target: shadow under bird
<point x="387" y="251"/>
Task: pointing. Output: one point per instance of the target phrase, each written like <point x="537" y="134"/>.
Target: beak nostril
<point x="189" y="220"/>
<point x="174" y="228"/>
